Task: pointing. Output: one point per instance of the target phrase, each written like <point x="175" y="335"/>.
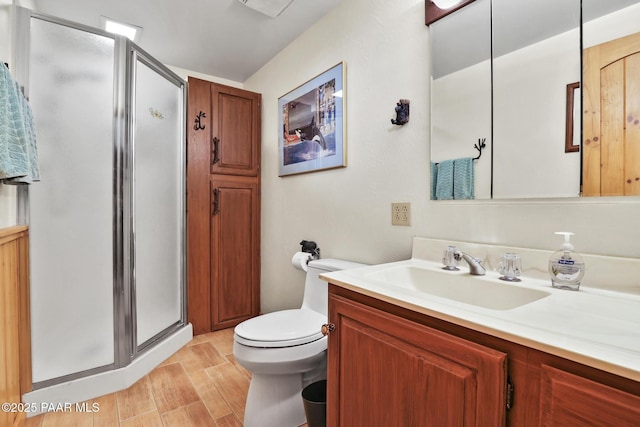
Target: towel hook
<point x="479" y="146"/>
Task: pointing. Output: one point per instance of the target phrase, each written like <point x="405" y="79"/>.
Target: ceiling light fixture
<point x="446" y="4"/>
<point x="272" y="8"/>
<point x="132" y="32"/>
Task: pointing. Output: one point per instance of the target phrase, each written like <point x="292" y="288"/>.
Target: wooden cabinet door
<point x="235" y="145"/>
<point x="571" y="400"/>
<point x="235" y="250"/>
<point x="384" y="370"/>
<point x="611" y="121"/>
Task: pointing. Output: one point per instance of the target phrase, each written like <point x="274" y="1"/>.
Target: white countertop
<point x="595" y="327"/>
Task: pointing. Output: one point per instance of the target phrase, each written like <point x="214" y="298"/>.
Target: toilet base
<point x="274" y="401"/>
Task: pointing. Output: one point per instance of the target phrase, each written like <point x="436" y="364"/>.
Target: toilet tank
<point x="315" y="289"/>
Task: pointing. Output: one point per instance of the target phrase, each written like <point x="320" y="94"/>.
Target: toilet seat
<point x="279" y="329"/>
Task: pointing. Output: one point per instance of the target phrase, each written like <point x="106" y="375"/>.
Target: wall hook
<point x="480" y="146"/>
<point x="402" y="113"/>
<point x="199" y="125"/>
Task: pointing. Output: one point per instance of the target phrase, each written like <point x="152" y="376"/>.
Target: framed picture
<point x="311" y="125"/>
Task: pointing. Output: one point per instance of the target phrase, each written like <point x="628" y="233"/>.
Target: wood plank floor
<point x="201" y="385"/>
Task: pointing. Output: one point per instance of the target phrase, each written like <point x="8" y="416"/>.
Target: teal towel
<point x="444" y="180"/>
<point x="463" y="179"/>
<point x="434" y="179"/>
<point x="18" y="152"/>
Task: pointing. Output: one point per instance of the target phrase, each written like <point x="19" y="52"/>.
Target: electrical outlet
<point x="401" y="213"/>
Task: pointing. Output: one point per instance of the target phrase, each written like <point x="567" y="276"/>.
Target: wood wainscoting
<point x="15" y="329"/>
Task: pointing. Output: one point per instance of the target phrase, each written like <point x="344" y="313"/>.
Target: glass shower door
<point x="158" y="199"/>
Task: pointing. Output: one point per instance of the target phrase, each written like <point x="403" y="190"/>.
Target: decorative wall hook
<point x="480" y="146"/>
<point x="402" y="113"/>
<point x="199" y="125"/>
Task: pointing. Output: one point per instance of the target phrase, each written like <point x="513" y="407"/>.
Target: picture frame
<point x="311" y="124"/>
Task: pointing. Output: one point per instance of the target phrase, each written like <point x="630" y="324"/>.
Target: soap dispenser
<point x="566" y="267"/>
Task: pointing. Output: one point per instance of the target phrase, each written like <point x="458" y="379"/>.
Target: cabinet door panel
<point x="236" y="126"/>
<point x="234" y="225"/>
<point x="391" y="371"/>
<point x="568" y="399"/>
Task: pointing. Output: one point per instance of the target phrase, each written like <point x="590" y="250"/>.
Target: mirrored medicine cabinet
<point x="513" y="72"/>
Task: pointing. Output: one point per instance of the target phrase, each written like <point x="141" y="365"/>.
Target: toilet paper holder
<point x="312" y="248"/>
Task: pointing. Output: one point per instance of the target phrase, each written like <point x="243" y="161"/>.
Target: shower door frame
<point x="126" y="55"/>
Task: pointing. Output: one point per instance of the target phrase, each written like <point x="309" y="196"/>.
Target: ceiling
<point x="222" y="38"/>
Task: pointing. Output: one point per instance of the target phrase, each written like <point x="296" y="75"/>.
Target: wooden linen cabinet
<point x="223" y="205"/>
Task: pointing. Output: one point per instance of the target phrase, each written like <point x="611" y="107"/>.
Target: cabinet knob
<point x="327" y="328"/>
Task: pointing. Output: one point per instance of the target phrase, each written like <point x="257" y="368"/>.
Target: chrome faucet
<point x="475" y="264"/>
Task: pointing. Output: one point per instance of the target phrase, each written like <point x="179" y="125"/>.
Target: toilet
<point x="285" y="351"/>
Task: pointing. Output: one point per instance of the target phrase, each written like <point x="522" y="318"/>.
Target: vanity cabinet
<point x="384" y="370"/>
<point x="223" y="205"/>
<point x="568" y="399"/>
<point x="393" y="365"/>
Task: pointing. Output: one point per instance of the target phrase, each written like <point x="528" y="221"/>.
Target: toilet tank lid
<point x="332" y="264"/>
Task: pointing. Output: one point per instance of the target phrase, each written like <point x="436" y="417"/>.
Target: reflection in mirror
<point x="461" y="91"/>
<point x="611" y="82"/>
<point x="536" y="53"/>
<point x="572" y="138"/>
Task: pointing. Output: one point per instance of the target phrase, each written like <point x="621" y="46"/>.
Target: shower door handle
<point x="214" y="151"/>
<point x="216" y="202"/>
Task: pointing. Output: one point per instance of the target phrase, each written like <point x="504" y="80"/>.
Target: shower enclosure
<point x="107" y="219"/>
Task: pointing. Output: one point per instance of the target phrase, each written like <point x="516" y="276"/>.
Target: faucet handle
<point x="510" y="267"/>
<point x="449" y="259"/>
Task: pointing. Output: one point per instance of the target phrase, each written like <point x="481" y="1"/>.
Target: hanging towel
<point x="444" y="180"/>
<point x="463" y="179"/>
<point x="434" y="179"/>
<point x="18" y="153"/>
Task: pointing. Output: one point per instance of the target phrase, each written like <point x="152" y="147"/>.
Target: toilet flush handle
<point x="327" y="328"/>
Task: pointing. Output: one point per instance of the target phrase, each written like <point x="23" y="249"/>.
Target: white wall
<point x="463" y="98"/>
<point x="385" y="46"/>
<point x="185" y="74"/>
<point x="529" y="89"/>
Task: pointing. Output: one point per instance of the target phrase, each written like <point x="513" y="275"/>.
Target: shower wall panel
<point x="71" y="209"/>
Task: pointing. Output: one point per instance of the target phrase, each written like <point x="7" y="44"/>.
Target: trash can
<point x="314" y="397"/>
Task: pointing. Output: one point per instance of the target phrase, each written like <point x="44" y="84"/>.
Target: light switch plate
<point x="401" y="213"/>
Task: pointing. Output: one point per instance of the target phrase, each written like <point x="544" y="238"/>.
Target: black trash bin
<point x="314" y="397"/>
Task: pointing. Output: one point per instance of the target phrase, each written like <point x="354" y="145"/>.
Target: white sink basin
<point x="474" y="290"/>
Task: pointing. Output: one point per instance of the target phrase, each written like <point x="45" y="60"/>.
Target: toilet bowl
<point x="285" y="351"/>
